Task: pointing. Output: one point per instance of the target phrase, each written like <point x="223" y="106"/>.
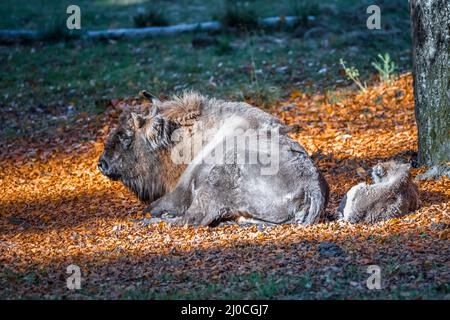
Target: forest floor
<point x="56" y="209"/>
<point x="59" y="99"/>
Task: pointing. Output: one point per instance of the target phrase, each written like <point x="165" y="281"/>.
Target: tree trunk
<point x="430" y="23"/>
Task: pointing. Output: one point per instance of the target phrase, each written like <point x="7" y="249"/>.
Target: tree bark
<point x="430" y="24"/>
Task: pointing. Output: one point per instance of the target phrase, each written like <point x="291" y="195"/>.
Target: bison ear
<point x="138" y="120"/>
<point x="158" y="134"/>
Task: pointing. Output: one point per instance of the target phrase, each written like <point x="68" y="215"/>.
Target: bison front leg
<point x="198" y="218"/>
<point x="174" y="203"/>
<point x="178" y="200"/>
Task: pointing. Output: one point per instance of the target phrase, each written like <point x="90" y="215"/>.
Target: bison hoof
<point x="148" y="221"/>
<point x="159" y="212"/>
<point x="145" y="222"/>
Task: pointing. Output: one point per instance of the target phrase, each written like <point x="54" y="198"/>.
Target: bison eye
<point x="125" y="141"/>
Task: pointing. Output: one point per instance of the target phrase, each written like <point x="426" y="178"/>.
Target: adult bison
<point x="202" y="161"/>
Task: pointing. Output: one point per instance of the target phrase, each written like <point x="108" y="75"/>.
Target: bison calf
<point x="393" y="194"/>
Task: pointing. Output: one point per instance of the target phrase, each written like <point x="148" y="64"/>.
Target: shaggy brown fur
<point x="171" y="172"/>
<point x="182" y="110"/>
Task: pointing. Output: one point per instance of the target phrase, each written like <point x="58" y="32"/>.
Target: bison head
<point x="382" y="172"/>
<point x="132" y="153"/>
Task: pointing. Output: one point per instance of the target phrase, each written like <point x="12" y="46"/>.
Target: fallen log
<point x="17" y="35"/>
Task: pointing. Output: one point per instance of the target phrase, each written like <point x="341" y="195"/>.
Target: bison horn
<point x="147" y="95"/>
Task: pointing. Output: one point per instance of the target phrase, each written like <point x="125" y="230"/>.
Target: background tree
<point x="430" y="22"/>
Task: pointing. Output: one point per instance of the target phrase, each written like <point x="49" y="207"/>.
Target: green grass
<point x="238" y="15"/>
<point x="98" y="14"/>
<point x="247" y="286"/>
<point x="260" y="66"/>
<point x="348" y="281"/>
<point x="342" y="282"/>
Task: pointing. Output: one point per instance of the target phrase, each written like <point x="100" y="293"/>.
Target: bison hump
<point x="183" y="110"/>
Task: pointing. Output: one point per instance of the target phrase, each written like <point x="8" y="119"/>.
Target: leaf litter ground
<point x="56" y="209"/>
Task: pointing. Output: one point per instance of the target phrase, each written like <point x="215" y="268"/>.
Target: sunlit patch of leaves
<point x="56" y="209"/>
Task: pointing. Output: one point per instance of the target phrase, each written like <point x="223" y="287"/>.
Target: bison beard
<point x="145" y="191"/>
<point x="151" y="185"/>
<point x="139" y="153"/>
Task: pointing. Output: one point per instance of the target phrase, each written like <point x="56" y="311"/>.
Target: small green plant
<point x="153" y="17"/>
<point x="353" y="74"/>
<point x="261" y="94"/>
<point x="386" y="68"/>
<point x="238" y="15"/>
